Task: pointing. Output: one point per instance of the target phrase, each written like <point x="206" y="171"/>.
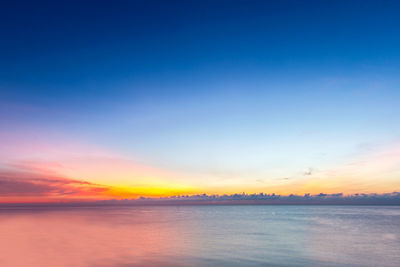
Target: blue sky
<point x="223" y="93"/>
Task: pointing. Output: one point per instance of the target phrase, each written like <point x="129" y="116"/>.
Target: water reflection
<point x="201" y="236"/>
<point x="87" y="237"/>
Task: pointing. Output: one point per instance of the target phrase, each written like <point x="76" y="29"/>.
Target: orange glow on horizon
<point x="93" y="174"/>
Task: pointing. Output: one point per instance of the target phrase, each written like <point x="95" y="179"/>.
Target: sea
<point x="200" y="235"/>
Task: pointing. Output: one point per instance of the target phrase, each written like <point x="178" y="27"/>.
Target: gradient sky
<point x="102" y="99"/>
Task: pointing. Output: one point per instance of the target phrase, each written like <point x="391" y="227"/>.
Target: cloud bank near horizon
<point x="267" y="199"/>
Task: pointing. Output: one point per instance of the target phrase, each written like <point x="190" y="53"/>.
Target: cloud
<point x="308" y="172"/>
<point x="261" y="198"/>
<point x="22" y="180"/>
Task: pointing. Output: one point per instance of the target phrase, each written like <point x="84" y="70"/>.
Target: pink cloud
<point x="24" y="180"/>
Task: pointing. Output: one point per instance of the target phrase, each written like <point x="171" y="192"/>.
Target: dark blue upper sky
<point x="52" y="47"/>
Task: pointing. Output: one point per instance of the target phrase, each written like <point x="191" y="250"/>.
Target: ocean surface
<point x="201" y="236"/>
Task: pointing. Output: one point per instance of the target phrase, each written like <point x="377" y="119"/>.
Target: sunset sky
<point x="159" y="98"/>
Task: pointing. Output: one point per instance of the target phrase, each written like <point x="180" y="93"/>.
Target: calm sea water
<point x="201" y="236"/>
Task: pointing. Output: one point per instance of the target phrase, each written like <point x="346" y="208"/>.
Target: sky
<point x="122" y="99"/>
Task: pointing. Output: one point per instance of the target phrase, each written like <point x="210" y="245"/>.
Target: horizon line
<point x="392" y="198"/>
